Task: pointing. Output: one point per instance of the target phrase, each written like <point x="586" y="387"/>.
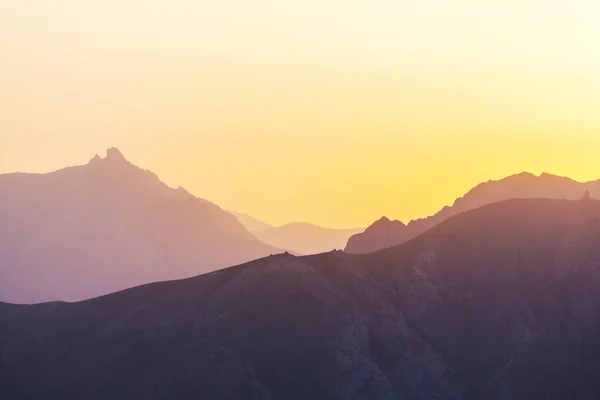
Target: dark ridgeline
<point x="90" y="230"/>
<point x="500" y="302"/>
<point x="385" y="233"/>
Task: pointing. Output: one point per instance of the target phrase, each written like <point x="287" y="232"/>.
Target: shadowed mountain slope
<point x="501" y="302"/>
<point x="89" y="230"/>
<point x="385" y="233"/>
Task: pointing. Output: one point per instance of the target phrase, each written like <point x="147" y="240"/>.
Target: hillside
<point x="500" y="302"/>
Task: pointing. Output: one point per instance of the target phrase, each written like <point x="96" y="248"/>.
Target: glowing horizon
<point x="334" y="114"/>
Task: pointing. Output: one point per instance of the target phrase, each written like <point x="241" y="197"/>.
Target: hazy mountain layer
<point x="90" y="230"/>
<point x="300" y="238"/>
<point x="306" y="239"/>
<point x="385" y="233"/>
<point x="501" y="302"/>
<point x="251" y="223"/>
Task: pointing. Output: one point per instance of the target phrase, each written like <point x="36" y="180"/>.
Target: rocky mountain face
<point x="385" y="233"/>
<point x="94" y="229"/>
<point x="501" y="302"/>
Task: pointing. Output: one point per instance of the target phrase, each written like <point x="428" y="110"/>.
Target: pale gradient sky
<point x="332" y="112"/>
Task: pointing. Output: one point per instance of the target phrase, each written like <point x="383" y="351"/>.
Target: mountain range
<point x="499" y="302"/>
<point x="299" y="237"/>
<point x="89" y="230"/>
<point x="386" y="233"/>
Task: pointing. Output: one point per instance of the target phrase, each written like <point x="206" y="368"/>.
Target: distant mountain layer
<point x="90" y="230"/>
<point x="500" y="302"/>
<point x="299" y="237"/>
<point x="251" y="223"/>
<point x="385" y="233"/>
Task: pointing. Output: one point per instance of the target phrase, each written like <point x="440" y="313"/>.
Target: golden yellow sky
<point x="332" y="112"/>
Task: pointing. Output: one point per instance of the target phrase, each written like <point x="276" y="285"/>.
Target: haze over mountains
<point x="385" y="233"/>
<point x="251" y="223"/>
<point x="105" y="226"/>
<point x="300" y="237"/>
<point x="499" y="302"/>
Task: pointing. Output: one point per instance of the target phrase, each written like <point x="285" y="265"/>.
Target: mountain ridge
<point x="522" y="185"/>
<point x="497" y="302"/>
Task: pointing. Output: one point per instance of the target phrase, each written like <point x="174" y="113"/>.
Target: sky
<point x="334" y="112"/>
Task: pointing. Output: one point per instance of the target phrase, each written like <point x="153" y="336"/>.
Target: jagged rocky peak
<point x="115" y="166"/>
<point x="115" y="154"/>
<point x="382" y="221"/>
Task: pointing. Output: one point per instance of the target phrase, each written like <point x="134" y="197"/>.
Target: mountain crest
<point x="519" y="186"/>
<point x="115" y="154"/>
<point x="385" y="222"/>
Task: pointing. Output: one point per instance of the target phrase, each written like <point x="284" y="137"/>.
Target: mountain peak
<point x="524" y="174"/>
<point x="382" y="222"/>
<point x="385" y="222"/>
<point x="114" y="154"/>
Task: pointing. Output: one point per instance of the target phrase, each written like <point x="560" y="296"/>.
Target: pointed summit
<point x="386" y="223"/>
<point x="586" y="196"/>
<point x="383" y="221"/>
<point x="114" y="154"/>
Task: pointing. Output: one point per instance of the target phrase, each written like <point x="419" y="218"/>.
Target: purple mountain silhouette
<point x="496" y="303"/>
<point x="108" y="225"/>
<point x="385" y="233"/>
